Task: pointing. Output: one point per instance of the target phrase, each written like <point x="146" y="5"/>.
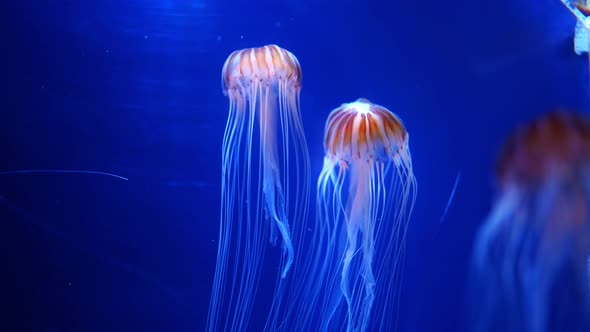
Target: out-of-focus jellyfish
<point x="531" y="253"/>
<point x="365" y="194"/>
<point x="265" y="178"/>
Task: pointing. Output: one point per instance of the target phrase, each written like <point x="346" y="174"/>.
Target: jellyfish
<point x="265" y="179"/>
<point x="530" y="269"/>
<point x="365" y="194"/>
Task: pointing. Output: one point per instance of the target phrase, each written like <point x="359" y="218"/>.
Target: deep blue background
<point x="133" y="87"/>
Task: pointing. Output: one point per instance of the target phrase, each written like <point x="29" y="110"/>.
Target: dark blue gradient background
<point x="133" y="87"/>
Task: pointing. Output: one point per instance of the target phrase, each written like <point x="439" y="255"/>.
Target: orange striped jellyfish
<point x="365" y="194"/>
<point x="531" y="253"/>
<point x="265" y="177"/>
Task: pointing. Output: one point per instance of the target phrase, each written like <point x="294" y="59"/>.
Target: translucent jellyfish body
<point x="265" y="179"/>
<point x="531" y="253"/>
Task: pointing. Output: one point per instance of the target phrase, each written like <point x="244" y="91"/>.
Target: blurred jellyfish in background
<point x="265" y="178"/>
<point x="365" y="195"/>
<point x="531" y="253"/>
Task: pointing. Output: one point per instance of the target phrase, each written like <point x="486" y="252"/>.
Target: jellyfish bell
<point x="268" y="65"/>
<point x="365" y="194"/>
<point x="538" y="231"/>
<point x="265" y="178"/>
<point x="558" y="145"/>
<point x="364" y="131"/>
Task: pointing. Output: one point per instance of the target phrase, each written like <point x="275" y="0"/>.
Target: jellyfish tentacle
<point x="272" y="187"/>
<point x="67" y="171"/>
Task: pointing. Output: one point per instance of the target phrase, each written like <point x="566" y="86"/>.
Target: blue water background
<point x="133" y="87"/>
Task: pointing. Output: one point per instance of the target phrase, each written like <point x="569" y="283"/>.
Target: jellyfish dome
<point x="556" y="146"/>
<point x="531" y="252"/>
<point x="260" y="67"/>
<point x="367" y="132"/>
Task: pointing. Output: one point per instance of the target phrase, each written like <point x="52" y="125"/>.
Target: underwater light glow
<point x="361" y="106"/>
